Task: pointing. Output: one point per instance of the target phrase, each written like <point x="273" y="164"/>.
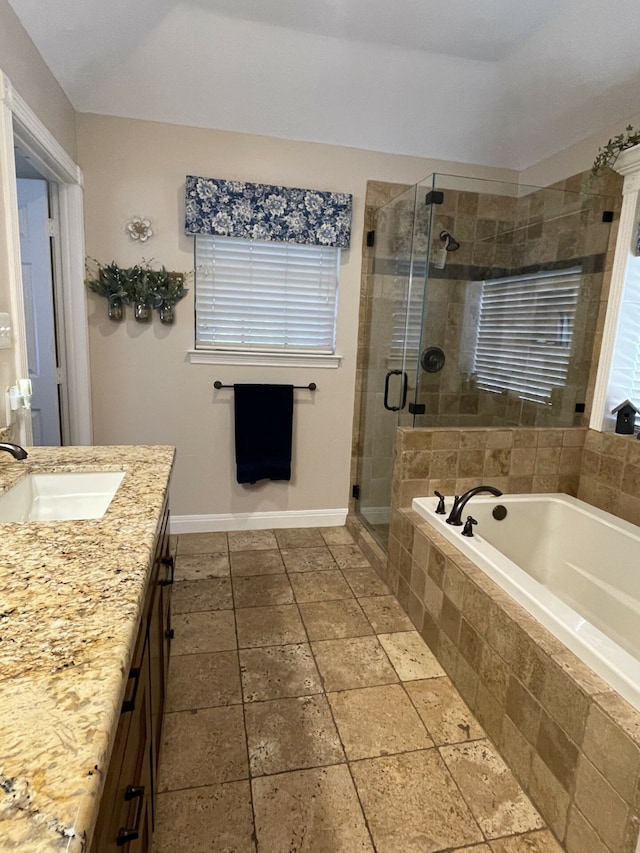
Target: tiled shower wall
<point x="501" y="235"/>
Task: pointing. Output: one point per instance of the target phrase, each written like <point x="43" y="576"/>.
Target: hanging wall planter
<point x="169" y="289"/>
<point x="115" y="308"/>
<point x="167" y="314"/>
<point x="112" y="282"/>
<point x="142" y="312"/>
<point x="145" y="287"/>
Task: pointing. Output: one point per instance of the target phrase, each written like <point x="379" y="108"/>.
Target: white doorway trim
<point x="19" y="124"/>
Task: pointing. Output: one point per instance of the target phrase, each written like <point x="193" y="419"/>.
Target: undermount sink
<point x="60" y="497"/>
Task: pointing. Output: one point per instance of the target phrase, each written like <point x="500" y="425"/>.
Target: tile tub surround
<point x="323" y="723"/>
<point x="610" y="474"/>
<point x="515" y="460"/>
<point x="71" y="593"/>
<point x="602" y="469"/>
<point x="571" y="741"/>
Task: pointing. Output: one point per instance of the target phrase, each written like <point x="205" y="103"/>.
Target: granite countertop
<point x="70" y="599"/>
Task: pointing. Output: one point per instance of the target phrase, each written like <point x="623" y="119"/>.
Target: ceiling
<point x="496" y="82"/>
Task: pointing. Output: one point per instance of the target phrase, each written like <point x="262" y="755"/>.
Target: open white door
<point x="21" y="129"/>
<point x="37" y="283"/>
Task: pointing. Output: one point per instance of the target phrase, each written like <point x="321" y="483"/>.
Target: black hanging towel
<point x="263" y="427"/>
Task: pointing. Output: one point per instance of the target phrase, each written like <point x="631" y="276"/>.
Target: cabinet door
<point x="159" y="639"/>
<point x="135" y="703"/>
<point x="130" y="821"/>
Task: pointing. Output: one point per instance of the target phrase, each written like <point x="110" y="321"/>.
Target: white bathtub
<point x="575" y="568"/>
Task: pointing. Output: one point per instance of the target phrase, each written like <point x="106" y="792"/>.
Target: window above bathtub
<point x="525" y="332"/>
<point x="618" y="376"/>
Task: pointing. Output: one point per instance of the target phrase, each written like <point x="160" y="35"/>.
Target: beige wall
<point x="31" y="78"/>
<point x="144" y="391"/>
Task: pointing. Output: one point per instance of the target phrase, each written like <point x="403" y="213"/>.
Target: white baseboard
<point x="258" y="520"/>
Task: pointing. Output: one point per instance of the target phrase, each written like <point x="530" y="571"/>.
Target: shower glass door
<point x="482" y="302"/>
<point x="394" y="298"/>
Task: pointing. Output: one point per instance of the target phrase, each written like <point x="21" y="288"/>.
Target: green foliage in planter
<point x="170" y="286"/>
<point x="109" y="280"/>
<point x="143" y="285"/>
<point x="139" y="283"/>
<point x="609" y="153"/>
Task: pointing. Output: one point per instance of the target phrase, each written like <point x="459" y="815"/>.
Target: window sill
<point x="264" y="359"/>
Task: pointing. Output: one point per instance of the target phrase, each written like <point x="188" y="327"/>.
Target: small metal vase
<point x="115" y="308"/>
<point x="167" y="314"/>
<point x="142" y="312"/>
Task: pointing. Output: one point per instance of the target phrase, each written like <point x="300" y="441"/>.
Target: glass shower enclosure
<point x="481" y="303"/>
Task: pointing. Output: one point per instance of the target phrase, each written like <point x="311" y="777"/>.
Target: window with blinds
<point x="406" y="318"/>
<point x="624" y="381"/>
<point x="265" y="296"/>
<point x="525" y="333"/>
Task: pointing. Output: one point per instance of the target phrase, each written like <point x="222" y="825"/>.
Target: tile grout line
<point x="324" y="692"/>
<point x="244" y="716"/>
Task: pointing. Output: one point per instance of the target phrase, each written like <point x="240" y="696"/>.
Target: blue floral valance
<point x="265" y="212"/>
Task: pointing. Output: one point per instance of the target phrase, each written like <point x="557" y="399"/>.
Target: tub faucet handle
<point x="467" y="530"/>
<point x="441" y="509"/>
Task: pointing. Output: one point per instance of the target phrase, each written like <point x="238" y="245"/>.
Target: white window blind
<point x="265" y="296"/>
<point x="406" y="325"/>
<point x="624" y="382"/>
<point x="525" y="333"/>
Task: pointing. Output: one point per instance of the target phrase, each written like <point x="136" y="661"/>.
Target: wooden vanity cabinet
<point x="126" y="816"/>
<point x="160" y="636"/>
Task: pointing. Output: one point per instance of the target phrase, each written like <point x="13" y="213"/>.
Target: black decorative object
<point x="625" y="417"/>
<point x="468" y="526"/>
<point x="432" y="359"/>
<point x="434" y="197"/>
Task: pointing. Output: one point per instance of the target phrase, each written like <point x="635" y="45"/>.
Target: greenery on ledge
<point x="609" y="153"/>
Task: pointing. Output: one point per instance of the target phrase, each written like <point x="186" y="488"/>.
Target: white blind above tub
<point x="525" y="333"/>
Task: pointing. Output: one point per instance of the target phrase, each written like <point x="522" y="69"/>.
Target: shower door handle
<point x="405" y="385"/>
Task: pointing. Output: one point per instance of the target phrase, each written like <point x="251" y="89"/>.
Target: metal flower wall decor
<point x="139" y="229"/>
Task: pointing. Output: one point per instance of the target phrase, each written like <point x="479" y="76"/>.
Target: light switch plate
<point x="5" y="331"/>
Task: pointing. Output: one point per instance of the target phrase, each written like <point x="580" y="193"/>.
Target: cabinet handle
<point x="168" y="561"/>
<point x="132" y="792"/>
<point x="130" y="704"/>
<point x="170" y="634"/>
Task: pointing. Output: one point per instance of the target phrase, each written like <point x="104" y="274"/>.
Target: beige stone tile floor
<point x="305" y="715"/>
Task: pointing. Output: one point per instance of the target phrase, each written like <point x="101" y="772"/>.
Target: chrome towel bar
<point x="310" y="387"/>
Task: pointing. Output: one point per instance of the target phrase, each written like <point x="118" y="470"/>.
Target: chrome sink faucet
<point x="455" y="516"/>
<point x="14" y="449"/>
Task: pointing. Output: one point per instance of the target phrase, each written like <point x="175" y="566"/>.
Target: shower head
<point x="450" y="242"/>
